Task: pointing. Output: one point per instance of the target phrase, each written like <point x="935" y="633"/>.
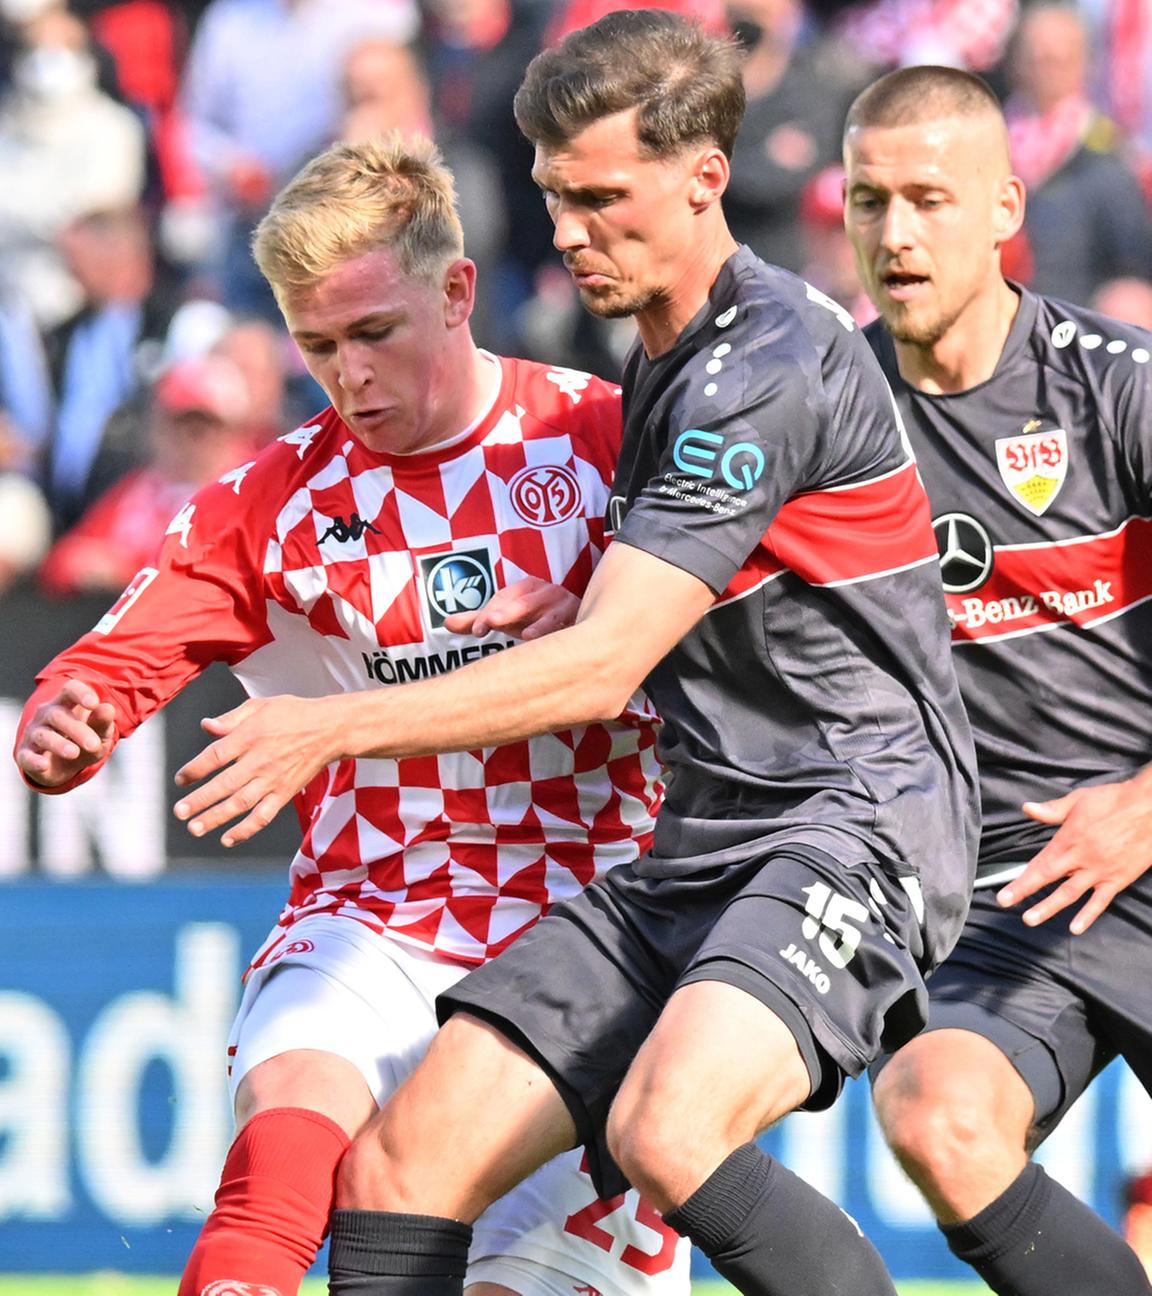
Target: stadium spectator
<point x="1031" y="421"/>
<point x="799" y="85"/>
<point x="25" y="524"/>
<point x="830" y="263"/>
<point x="260" y="93"/>
<point x="337" y="557"/>
<point x="1128" y="299"/>
<point x="100" y="357"/>
<point x="260" y="352"/>
<point x="66" y="148"/>
<point x="385" y="89"/>
<point x="1087" y="218"/>
<point x="25" y="393"/>
<point x="773" y="577"/>
<point x="1138" y="1217"/>
<point x="198" y="430"/>
<point x="970" y="34"/>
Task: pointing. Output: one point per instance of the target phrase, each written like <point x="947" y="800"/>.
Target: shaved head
<point x="913" y="96"/>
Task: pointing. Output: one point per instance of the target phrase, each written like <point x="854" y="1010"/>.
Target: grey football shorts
<point x="831" y="948"/>
<point x="1059" y="1007"/>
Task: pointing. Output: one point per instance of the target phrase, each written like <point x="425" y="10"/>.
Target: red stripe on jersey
<point x="845" y="534"/>
<point x="1041" y="586"/>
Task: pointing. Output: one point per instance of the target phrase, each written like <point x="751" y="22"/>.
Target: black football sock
<point x="385" y="1253"/>
<point x="1036" y="1239"/>
<point x="771" y="1234"/>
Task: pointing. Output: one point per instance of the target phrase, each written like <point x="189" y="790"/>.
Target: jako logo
<point x="456" y="582"/>
<point x="808" y="967"/>
<point x="696" y="453"/>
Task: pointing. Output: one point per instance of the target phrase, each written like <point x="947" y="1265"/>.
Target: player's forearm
<point x="564" y="680"/>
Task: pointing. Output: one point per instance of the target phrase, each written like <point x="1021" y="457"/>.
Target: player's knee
<point x="934" y="1121"/>
<point x="369" y="1178"/>
<point x="651" y="1146"/>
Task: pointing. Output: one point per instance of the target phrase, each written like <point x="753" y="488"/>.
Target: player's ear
<point x="1009" y="209"/>
<point x="459" y="292"/>
<point x="709" y="178"/>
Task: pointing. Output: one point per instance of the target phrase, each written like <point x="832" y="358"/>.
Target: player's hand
<point x="526" y="609"/>
<point x="1103" y="844"/>
<point x="265" y="751"/>
<point x="66" y="735"/>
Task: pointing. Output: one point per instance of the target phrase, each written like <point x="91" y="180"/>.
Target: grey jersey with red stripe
<point x="815" y="702"/>
<point x="1039" y="481"/>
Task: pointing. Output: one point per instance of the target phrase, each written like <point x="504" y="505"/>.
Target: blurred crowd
<point x="142" y="356"/>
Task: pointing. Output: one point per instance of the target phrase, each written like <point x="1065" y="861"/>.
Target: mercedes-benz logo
<point x="966" y="552"/>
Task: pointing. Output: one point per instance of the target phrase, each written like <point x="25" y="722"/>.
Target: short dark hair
<point x="685" y="84"/>
<point x="912" y="95"/>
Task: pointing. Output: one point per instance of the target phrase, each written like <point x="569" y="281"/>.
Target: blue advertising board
<point x="115" y="1004"/>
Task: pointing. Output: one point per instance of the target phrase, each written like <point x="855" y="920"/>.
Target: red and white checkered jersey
<point x="323" y="567"/>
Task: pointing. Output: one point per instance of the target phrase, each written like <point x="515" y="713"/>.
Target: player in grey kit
<point x="774" y="579"/>
<point x="1032" y="424"/>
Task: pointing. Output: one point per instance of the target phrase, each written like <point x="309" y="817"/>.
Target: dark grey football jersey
<point x="1039" y="483"/>
<point x="816" y="702"/>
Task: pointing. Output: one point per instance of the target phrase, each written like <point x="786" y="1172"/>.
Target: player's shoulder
<point x="1090" y="349"/>
<point x="777" y="324"/>
<point x="559" y="401"/>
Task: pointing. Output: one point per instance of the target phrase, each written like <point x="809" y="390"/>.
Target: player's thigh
<point x="581" y="991"/>
<point x="720" y="1064"/>
<point x="1111" y="963"/>
<point x="334" y="1025"/>
<point x="552" y="1236"/>
<point x="832" y="949"/>
<point x="1019" y="989"/>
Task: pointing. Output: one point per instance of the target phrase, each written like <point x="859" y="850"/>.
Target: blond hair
<point x="353" y="199"/>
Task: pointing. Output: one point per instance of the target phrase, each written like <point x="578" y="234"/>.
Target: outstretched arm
<point x="636" y="608"/>
<point x="1104" y="843"/>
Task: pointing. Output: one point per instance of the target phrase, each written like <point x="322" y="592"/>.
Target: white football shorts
<point x="333" y="984"/>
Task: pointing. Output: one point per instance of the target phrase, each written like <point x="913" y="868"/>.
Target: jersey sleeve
<point x="1129" y="404"/>
<point x="202" y="601"/>
<point x="742" y="438"/>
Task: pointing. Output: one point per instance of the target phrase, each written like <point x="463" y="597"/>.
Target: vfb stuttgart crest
<point x="1033" y="466"/>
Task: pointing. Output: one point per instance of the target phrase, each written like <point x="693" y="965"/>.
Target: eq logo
<point x="545" y="496"/>
<point x="697" y="453"/>
<point x="456" y="582"/>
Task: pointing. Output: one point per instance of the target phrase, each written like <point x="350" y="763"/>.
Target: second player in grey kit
<point x="1032" y="425"/>
<point x="773" y="577"/>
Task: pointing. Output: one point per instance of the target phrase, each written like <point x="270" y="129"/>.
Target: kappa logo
<point x="545" y="496"/>
<point x="1033" y="465"/>
<point x="353" y="529"/>
<point x="966" y="552"/>
<point x="456" y="582"/>
<point x="181" y="524"/>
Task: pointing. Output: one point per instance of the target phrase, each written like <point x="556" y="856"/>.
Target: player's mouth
<point x="364" y="420"/>
<point x="902" y="285"/>
<point x="584" y="276"/>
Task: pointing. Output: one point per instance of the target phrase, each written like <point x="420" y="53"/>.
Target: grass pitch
<point x="112" y="1284"/>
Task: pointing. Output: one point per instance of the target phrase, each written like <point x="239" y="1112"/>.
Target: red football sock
<point x="272" y="1206"/>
